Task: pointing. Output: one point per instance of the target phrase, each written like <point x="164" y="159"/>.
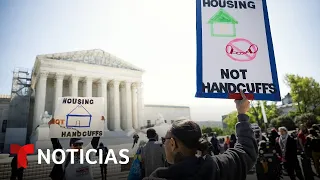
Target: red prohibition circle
<point x="235" y="53"/>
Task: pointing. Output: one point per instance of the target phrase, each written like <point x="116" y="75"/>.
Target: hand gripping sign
<point x="235" y="51"/>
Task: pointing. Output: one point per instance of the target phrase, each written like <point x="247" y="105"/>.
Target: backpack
<point x="135" y="172"/>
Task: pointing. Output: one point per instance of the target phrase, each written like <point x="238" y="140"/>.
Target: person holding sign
<point x="76" y="170"/>
<point x="184" y="139"/>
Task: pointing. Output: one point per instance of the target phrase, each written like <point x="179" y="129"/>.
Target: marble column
<point x="58" y="89"/>
<point x="123" y="116"/>
<point x="40" y="99"/>
<point x="110" y="105"/>
<point x="88" y="92"/>
<point x="134" y="106"/>
<point x="140" y="104"/>
<point x="74" y="85"/>
<point x="102" y="92"/>
<point x="128" y="107"/>
<point x="116" y="106"/>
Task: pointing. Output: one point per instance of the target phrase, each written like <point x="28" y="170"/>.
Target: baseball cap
<point x="76" y="141"/>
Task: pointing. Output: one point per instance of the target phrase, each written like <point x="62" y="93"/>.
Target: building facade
<point x="4" y="109"/>
<point x="168" y="114"/>
<point x="90" y="73"/>
<point x="287" y="105"/>
<point x="93" y="73"/>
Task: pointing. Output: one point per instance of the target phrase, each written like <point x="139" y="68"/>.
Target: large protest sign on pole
<point x="78" y="117"/>
<point x="235" y="50"/>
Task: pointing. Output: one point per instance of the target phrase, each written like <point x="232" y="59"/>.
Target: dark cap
<point x="75" y="141"/>
<point x="188" y="132"/>
<point x="151" y="133"/>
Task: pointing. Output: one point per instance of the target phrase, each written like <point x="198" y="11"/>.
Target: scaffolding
<point x="20" y="98"/>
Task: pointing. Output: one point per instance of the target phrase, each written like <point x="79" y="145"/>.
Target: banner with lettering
<point x="235" y="51"/>
<point x="78" y="117"/>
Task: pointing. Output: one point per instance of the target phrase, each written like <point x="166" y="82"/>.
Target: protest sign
<point x="78" y="117"/>
<point x="235" y="51"/>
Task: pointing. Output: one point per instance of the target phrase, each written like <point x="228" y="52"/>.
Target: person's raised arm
<point x="235" y="163"/>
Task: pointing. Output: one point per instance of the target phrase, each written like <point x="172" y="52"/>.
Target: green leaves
<point x="305" y="92"/>
<point x="255" y="114"/>
<point x="283" y="120"/>
<point x="231" y="119"/>
<point x="307" y="119"/>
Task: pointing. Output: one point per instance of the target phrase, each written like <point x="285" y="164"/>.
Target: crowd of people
<point x="220" y="145"/>
<point x="280" y="153"/>
<point x="185" y="153"/>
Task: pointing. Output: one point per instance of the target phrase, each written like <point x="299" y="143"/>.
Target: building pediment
<point x="95" y="56"/>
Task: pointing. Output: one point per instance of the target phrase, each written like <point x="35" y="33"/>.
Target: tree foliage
<point x="283" y="120"/>
<point x="231" y="119"/>
<point x="255" y="112"/>
<point x="218" y="131"/>
<point x="210" y="130"/>
<point x="228" y="131"/>
<point x="207" y="130"/>
<point x="305" y="92"/>
<point x="307" y="119"/>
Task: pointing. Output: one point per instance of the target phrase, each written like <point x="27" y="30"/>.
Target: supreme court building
<point x="88" y="73"/>
<point x="92" y="73"/>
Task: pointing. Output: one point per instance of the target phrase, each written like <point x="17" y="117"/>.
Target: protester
<point x="233" y="140"/>
<point x="273" y="137"/>
<point x="288" y="149"/>
<point x="103" y="167"/>
<point x="268" y="165"/>
<point x="215" y="144"/>
<point x="76" y="171"/>
<point x="302" y="137"/>
<point x="221" y="145"/>
<point x="184" y="139"/>
<point x="152" y="154"/>
<point x="135" y="139"/>
<point x="313" y="145"/>
<point x="15" y="171"/>
<point x="227" y="143"/>
<point x="136" y="171"/>
<point x="316" y="127"/>
<point x="205" y="148"/>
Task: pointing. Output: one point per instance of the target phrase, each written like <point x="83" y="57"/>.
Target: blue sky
<point x="158" y="36"/>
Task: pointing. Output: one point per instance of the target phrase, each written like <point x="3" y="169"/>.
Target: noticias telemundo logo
<point x="21" y="152"/>
<point x="58" y="156"/>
